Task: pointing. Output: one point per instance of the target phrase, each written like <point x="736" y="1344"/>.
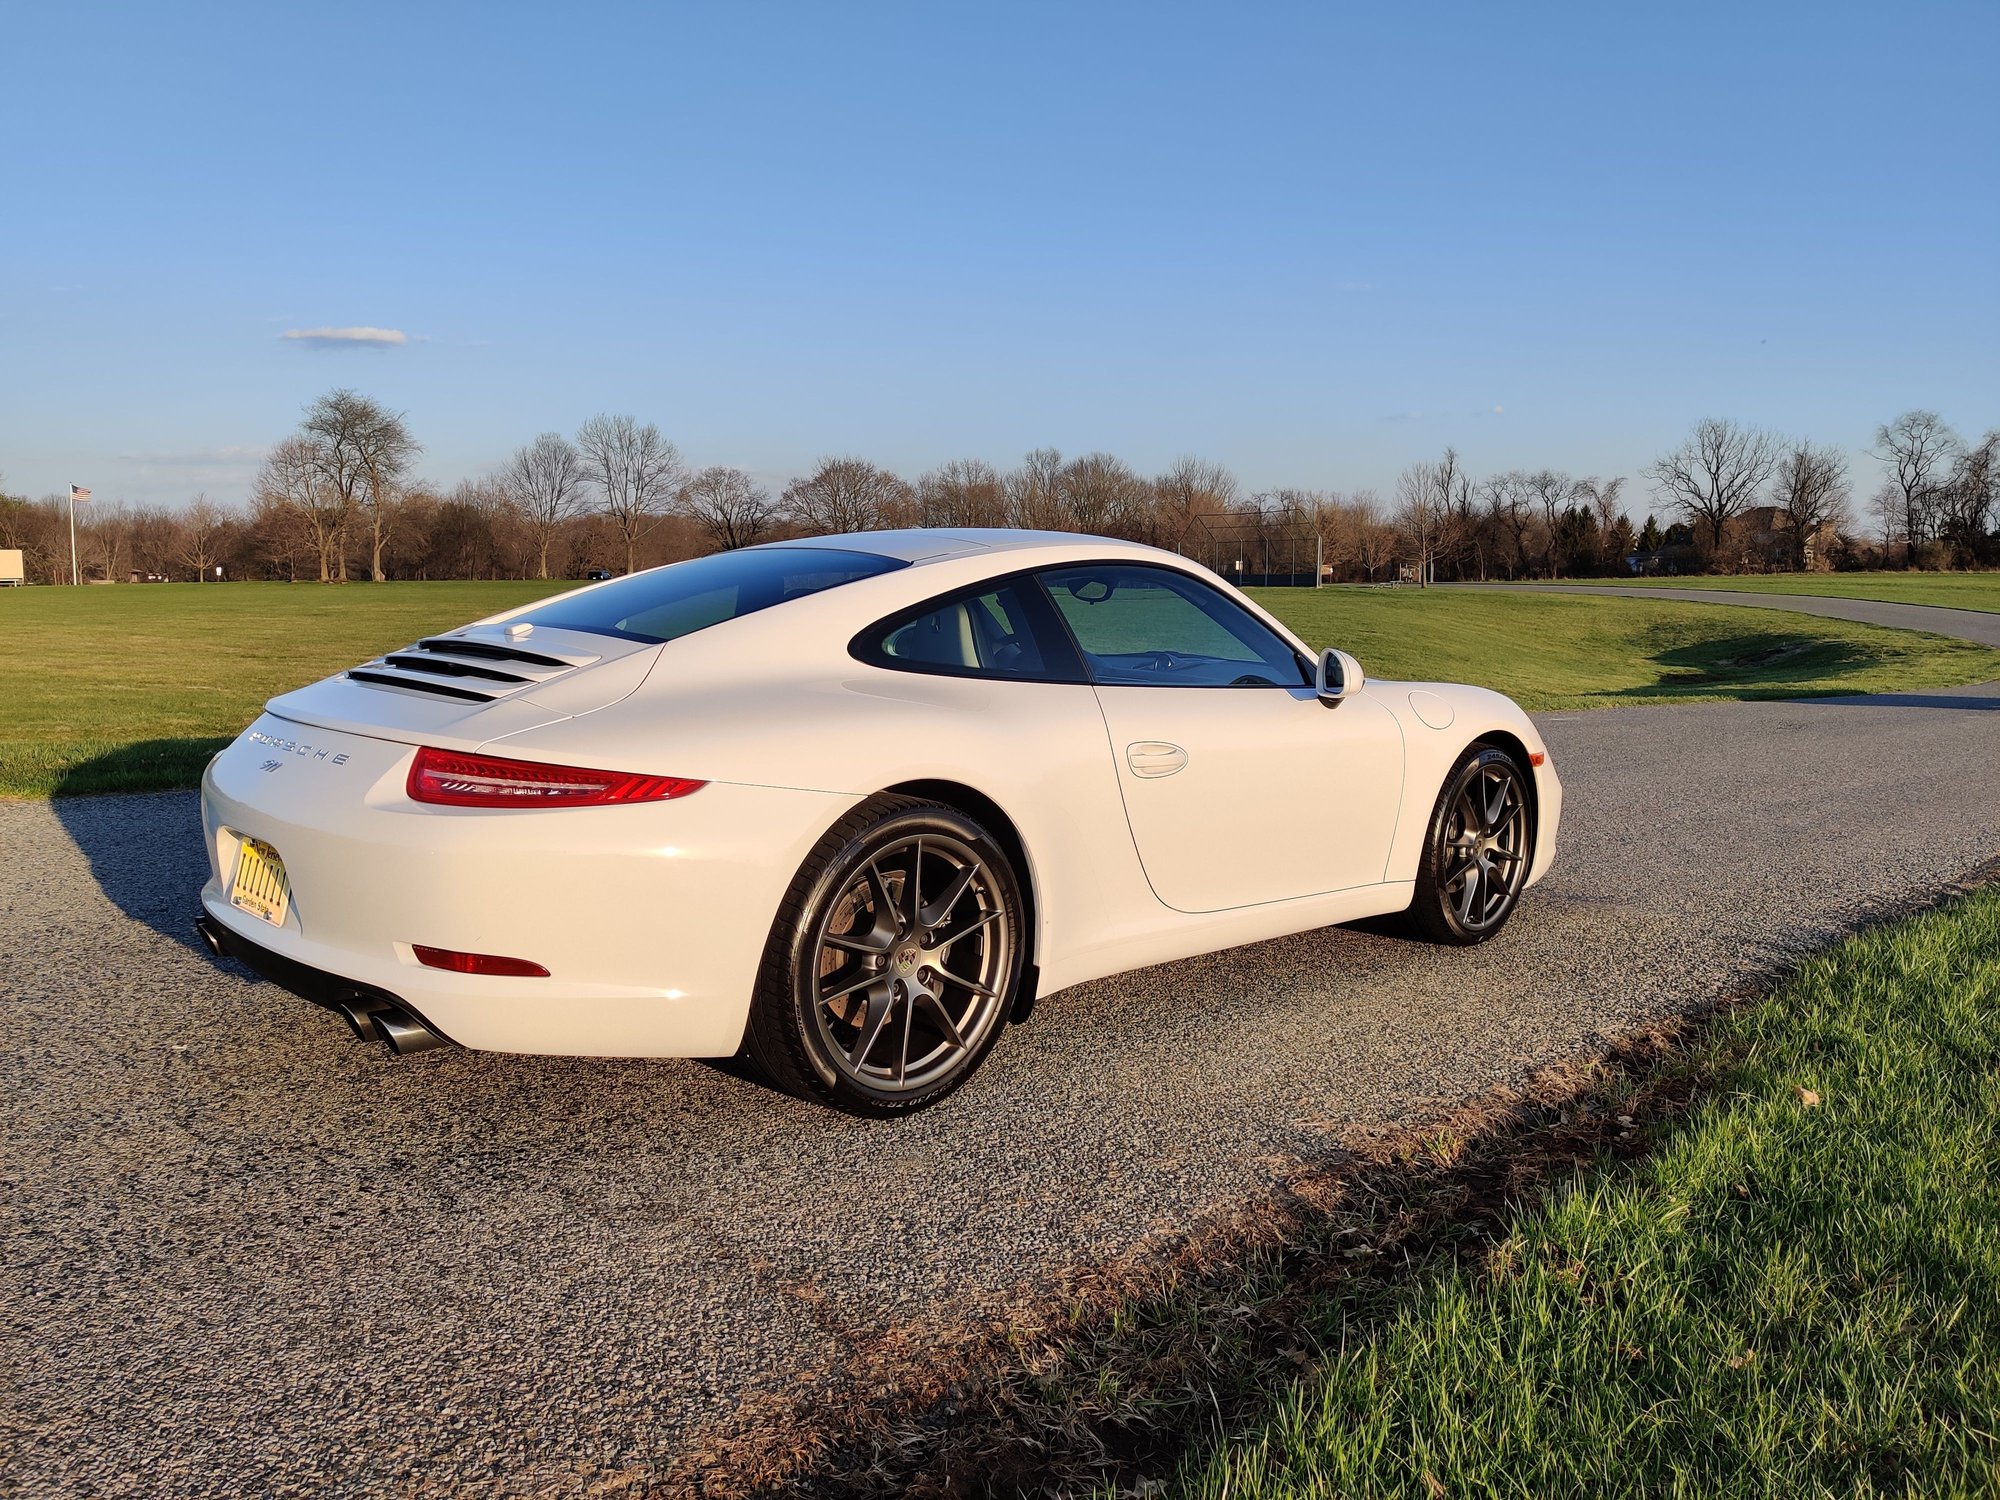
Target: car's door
<point x="1241" y="786"/>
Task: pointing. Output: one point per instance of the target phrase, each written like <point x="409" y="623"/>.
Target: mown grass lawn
<point x="133" y="688"/>
<point x="1588" y="651"/>
<point x="1954" y="590"/>
<point x="1797" y="1292"/>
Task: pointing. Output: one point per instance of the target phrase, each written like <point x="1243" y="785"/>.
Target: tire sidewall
<point x="801" y="953"/>
<point x="1434" y="908"/>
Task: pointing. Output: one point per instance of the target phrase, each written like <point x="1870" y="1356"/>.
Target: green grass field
<point x="1796" y="1292"/>
<point x="133" y="688"/>
<point x="1955" y="590"/>
<point x="1585" y="651"/>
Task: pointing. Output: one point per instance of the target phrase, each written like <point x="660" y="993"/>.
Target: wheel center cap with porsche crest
<point x="906" y="961"/>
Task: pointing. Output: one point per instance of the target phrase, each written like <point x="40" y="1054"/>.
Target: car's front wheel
<point x="893" y="961"/>
<point x="1476" y="850"/>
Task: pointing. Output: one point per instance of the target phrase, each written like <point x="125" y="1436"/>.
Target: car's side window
<point x="1005" y="631"/>
<point x="1155" y="627"/>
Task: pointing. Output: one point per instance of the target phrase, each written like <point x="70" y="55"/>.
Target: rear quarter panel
<point x="1039" y="751"/>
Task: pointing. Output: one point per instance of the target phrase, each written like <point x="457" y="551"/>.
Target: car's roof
<point x="932" y="544"/>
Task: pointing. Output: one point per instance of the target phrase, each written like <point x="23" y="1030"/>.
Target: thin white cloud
<point x="347" y="338"/>
<point x="240" y="454"/>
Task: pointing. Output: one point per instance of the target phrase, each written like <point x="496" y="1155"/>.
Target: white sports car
<point x="848" y="805"/>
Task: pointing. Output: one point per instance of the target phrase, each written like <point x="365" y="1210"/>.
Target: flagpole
<point x="75" y="578"/>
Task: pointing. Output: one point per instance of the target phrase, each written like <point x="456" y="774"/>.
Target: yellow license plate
<point x="260" y="887"/>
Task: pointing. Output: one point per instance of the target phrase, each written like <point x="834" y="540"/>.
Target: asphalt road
<point x="245" y="1254"/>
<point x="1967" y="624"/>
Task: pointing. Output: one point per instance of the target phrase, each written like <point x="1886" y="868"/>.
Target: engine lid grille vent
<point x="466" y="669"/>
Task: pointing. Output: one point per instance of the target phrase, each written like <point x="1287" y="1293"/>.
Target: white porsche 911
<point x="848" y="805"/>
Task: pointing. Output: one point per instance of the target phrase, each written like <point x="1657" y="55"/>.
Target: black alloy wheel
<point x="893" y="962"/>
<point x="1476" y="851"/>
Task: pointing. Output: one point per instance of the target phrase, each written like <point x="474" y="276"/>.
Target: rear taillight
<point x="477" y="963"/>
<point x="458" y="780"/>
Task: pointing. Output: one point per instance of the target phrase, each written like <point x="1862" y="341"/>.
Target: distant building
<point x="1763" y="540"/>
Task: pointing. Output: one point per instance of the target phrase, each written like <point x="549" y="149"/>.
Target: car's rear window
<point x="667" y="603"/>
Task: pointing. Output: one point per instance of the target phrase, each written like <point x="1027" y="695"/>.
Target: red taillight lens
<point x="477" y="963"/>
<point x="458" y="780"/>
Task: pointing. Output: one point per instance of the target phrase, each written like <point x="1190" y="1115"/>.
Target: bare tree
<point x="546" y="483"/>
<point x="964" y="492"/>
<point x="1715" y="475"/>
<point x="1417" y="517"/>
<point x="634" y="470"/>
<point x="1553" y="493"/>
<point x="1034" y="491"/>
<point x="1314" y="524"/>
<point x="847" y="494"/>
<point x="1189" y="496"/>
<point x="200" y="537"/>
<point x="279" y="536"/>
<point x="1466" y="539"/>
<point x="728" y="507"/>
<point x="362" y="451"/>
<point x="1970" y="503"/>
<point x="387" y="452"/>
<point x="1509" y="511"/>
<point x="1426" y="497"/>
<point x="1918" y="448"/>
<point x="1603" y="496"/>
<point x="294" y="480"/>
<point x="1375" y="540"/>
<point x="1810" y="485"/>
<point x="1099" y="494"/>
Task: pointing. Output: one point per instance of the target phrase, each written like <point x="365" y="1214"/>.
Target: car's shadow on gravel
<point x="145" y="854"/>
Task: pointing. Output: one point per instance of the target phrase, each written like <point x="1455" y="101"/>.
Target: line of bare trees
<point x="1937" y="505"/>
<point x="339" y="498"/>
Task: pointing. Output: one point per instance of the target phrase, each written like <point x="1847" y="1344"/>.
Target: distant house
<point x="1762" y="539"/>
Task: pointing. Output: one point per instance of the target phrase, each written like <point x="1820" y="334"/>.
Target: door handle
<point x="1155" y="758"/>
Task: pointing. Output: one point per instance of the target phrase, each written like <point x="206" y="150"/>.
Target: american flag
<point x="78" y="492"/>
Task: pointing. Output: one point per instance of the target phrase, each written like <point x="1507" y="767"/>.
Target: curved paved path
<point x="1967" y="624"/>
<point x="245" y="1254"/>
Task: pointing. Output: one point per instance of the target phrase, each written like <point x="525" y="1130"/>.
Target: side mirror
<point x="1339" y="676"/>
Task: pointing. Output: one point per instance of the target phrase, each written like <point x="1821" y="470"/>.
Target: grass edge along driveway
<point x="133" y="688"/>
<point x="1975" y="591"/>
<point x="1797" y="1291"/>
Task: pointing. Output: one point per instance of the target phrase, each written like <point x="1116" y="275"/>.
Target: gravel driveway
<point x="244" y="1253"/>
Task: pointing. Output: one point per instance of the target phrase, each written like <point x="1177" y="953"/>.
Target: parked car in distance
<point x="596" y="575"/>
<point x="847" y="804"/>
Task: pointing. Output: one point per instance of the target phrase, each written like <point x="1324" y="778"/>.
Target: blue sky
<point x="1312" y="242"/>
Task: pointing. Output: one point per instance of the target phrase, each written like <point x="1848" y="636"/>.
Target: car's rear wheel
<point x="1476" y="851"/>
<point x="893" y="961"/>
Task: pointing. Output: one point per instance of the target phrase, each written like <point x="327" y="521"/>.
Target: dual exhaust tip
<point x="378" y="1021"/>
<point x="375" y="1018"/>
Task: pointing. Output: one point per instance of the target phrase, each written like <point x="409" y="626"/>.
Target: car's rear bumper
<point x="375" y="1015"/>
<point x="650" y="919"/>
